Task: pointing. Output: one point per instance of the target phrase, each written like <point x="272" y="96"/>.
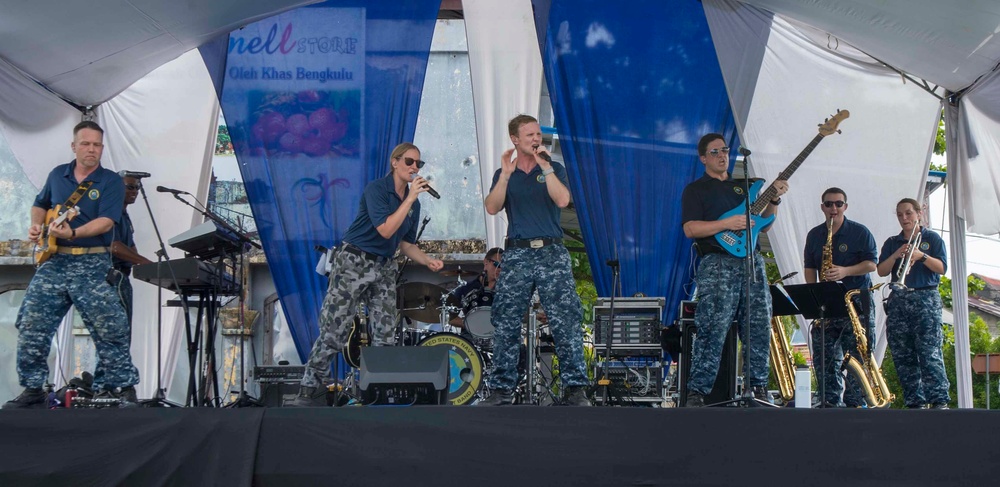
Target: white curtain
<point x="164" y="124"/>
<point x="506" y="72"/>
<point x="804" y="76"/>
<point x="37" y="124"/>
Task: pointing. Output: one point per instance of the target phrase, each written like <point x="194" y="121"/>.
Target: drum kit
<point x="465" y="328"/>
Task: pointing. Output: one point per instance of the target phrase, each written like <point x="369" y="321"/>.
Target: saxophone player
<point x="913" y="311"/>
<point x="840" y="250"/>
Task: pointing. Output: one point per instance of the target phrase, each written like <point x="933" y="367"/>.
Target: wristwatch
<point x="776" y="202"/>
<point x="923" y="259"/>
<point x="548" y="171"/>
<point x="73" y="236"/>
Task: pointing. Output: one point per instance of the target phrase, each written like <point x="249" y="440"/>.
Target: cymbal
<point x="459" y="273"/>
<point x="421" y="301"/>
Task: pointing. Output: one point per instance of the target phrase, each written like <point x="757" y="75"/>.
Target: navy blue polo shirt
<point x="124" y="233"/>
<point x="852" y="244"/>
<point x="105" y="198"/>
<point x="531" y="213"/>
<point x="707" y="199"/>
<point x="378" y="202"/>
<point x="462" y="291"/>
<point x="920" y="276"/>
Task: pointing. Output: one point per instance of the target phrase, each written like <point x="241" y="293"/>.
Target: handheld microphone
<point x="175" y="192"/>
<point x="133" y="174"/>
<point x="431" y="191"/>
<point x="543" y="155"/>
<point x="744" y="151"/>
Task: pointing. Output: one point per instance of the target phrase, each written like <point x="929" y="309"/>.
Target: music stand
<point x="817" y="301"/>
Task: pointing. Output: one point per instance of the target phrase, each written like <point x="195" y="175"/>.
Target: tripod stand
<point x="159" y="398"/>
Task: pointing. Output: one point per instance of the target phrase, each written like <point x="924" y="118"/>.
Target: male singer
<point x="532" y="190"/>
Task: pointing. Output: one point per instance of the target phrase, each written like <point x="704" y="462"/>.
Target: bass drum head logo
<point x="842" y="248"/>
<point x="93" y="194"/>
<point x="738" y="189"/>
<point x="466" y="366"/>
<point x="925" y="246"/>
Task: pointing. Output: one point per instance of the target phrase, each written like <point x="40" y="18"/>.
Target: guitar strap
<point x="80" y="191"/>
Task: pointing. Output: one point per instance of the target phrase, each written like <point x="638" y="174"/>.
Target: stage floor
<point x="517" y="445"/>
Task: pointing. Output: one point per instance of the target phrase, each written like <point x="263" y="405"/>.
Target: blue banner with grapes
<point x="312" y="101"/>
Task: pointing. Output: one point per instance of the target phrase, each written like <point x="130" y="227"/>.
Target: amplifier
<point x="635" y="378"/>
<point x="619" y="351"/>
<point x="637" y="321"/>
<point x="271" y="374"/>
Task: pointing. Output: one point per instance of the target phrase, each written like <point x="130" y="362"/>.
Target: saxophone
<point x="827" y="251"/>
<point x="782" y="361"/>
<point x="866" y="369"/>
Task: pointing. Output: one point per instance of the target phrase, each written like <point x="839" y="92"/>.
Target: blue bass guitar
<point x="735" y="242"/>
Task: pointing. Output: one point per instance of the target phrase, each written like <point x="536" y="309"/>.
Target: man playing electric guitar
<point x="721" y="276"/>
<point x="77" y="275"/>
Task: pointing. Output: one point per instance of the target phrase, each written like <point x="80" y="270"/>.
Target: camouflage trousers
<point x="721" y="296"/>
<point x="913" y="327"/>
<point x="124" y="293"/>
<point x="550" y="271"/>
<point x="77" y="280"/>
<point x="832" y="341"/>
<point x="353" y="280"/>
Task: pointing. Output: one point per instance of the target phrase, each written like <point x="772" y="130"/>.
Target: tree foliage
<point x="944" y="288"/>
<point x="584" y="284"/>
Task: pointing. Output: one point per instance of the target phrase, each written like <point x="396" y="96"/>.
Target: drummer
<point x="485" y="282"/>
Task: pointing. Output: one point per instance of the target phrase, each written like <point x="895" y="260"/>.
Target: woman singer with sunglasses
<point x="363" y="267"/>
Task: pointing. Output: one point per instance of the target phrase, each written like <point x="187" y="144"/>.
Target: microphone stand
<point x="747" y="399"/>
<point x="159" y="398"/>
<point x="604" y="382"/>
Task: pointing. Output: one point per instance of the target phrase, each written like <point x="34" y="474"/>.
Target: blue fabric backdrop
<point x="634" y="85"/>
<point x="315" y="99"/>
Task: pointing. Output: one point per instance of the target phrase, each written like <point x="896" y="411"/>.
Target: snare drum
<point x="466" y="366"/>
<point x="477" y="308"/>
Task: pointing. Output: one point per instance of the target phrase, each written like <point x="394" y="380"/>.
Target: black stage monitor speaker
<point x="725" y="383"/>
<point x="405" y="375"/>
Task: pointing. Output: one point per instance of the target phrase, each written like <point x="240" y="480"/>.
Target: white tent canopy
<point x="88" y="52"/>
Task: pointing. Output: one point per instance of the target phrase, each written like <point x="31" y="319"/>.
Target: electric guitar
<point x="47" y="246"/>
<point x="357" y="339"/>
<point x="735" y="241"/>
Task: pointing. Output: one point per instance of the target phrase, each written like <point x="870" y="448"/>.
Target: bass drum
<point x="466" y="366"/>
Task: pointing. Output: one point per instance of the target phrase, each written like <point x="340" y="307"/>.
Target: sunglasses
<point x="495" y="263"/>
<point x="133" y="187"/>
<point x="830" y="204"/>
<point x="409" y="162"/>
<point x="715" y="152"/>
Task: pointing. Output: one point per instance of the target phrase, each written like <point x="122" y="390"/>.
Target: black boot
<point x="576" y="396"/>
<point x="128" y="398"/>
<point x="30" y="398"/>
<point x="695" y="400"/>
<point x="498" y="397"/>
<point x="309" y="397"/>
